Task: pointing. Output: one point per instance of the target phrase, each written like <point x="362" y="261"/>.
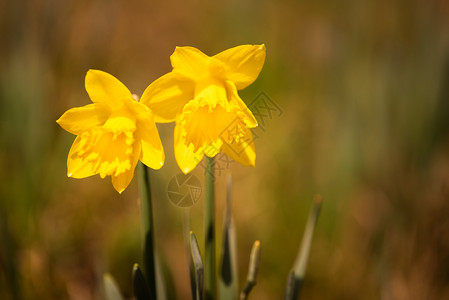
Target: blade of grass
<point x="300" y="266"/>
<point x="141" y="289"/>
<point x="303" y="255"/>
<point x="291" y="286"/>
<point x="165" y="286"/>
<point x="228" y="264"/>
<point x="187" y="243"/>
<point x="210" y="281"/>
<point x="253" y="269"/>
<point x="111" y="289"/>
<point x="198" y="268"/>
<point x="148" y="229"/>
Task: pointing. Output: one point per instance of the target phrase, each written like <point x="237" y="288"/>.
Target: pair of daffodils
<point x="199" y="94"/>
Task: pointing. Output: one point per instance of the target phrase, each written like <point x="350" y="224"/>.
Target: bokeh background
<point x="363" y="92"/>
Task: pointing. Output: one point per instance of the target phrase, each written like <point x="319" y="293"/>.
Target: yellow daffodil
<point x="113" y="133"/>
<point x="200" y="94"/>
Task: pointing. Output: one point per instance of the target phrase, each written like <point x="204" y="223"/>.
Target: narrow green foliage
<point x="111" y="289"/>
<point x="165" y="286"/>
<point x="148" y="229"/>
<point x="141" y="289"/>
<point x="292" y="289"/>
<point x="192" y="273"/>
<point x="300" y="266"/>
<point x="187" y="243"/>
<point x="253" y="269"/>
<point x="196" y="268"/>
<point x="303" y="255"/>
<point x="210" y="278"/>
<point x="228" y="279"/>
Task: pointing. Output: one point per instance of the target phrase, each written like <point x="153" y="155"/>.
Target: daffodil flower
<point x="113" y="133"/>
<point x="200" y="94"/>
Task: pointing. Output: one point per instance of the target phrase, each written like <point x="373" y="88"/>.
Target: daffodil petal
<point x="105" y="88"/>
<point x="185" y="156"/>
<point x="234" y="99"/>
<point x="152" y="153"/>
<point x="242" y="151"/>
<point x="244" y="63"/>
<point x="121" y="181"/>
<point x="79" y="119"/>
<point x="167" y="95"/>
<point x="77" y="167"/>
<point x="190" y="62"/>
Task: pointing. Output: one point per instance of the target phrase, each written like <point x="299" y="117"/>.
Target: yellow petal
<point x="245" y="112"/>
<point x="76" y="166"/>
<point x="243" y="63"/>
<point x="167" y="95"/>
<point x="185" y="156"/>
<point x="242" y="151"/>
<point x="105" y="88"/>
<point x="79" y="119"/>
<point x="191" y="62"/>
<point x="152" y="153"/>
<point x="121" y="181"/>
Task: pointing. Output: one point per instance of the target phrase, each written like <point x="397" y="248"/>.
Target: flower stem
<point x="148" y="229"/>
<point x="210" y="282"/>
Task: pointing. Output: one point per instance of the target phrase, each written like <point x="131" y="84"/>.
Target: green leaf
<point x="111" y="289"/>
<point x="253" y="269"/>
<point x="209" y="215"/>
<point x="141" y="290"/>
<point x="299" y="268"/>
<point x="164" y="280"/>
<point x="198" y="268"/>
<point x="192" y="272"/>
<point x="292" y="289"/>
<point x="228" y="279"/>
<point x="187" y="242"/>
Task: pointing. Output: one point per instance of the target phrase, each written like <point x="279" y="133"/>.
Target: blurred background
<point x="362" y="91"/>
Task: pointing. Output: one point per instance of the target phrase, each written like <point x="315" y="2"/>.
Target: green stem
<point x="148" y="229"/>
<point x="210" y="282"/>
